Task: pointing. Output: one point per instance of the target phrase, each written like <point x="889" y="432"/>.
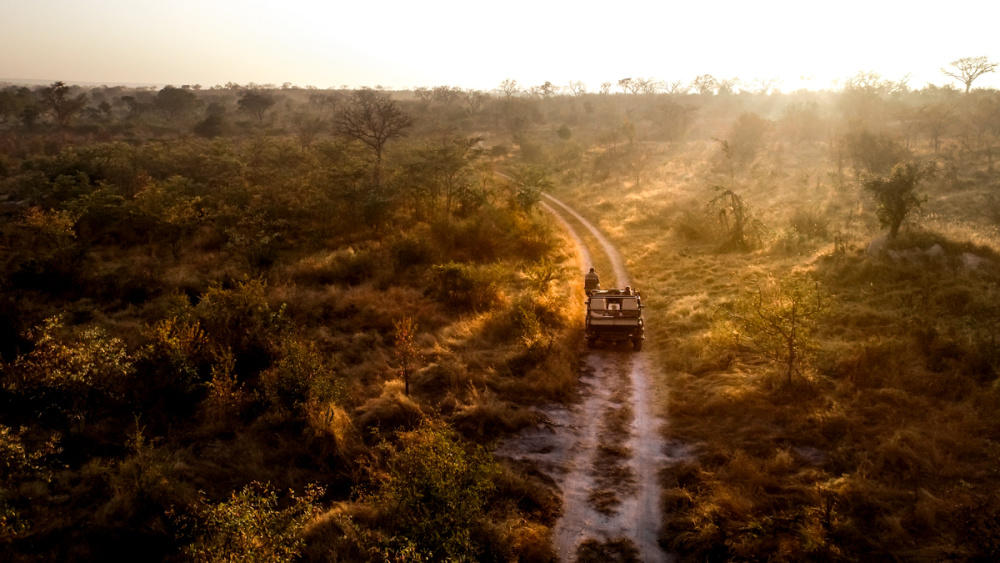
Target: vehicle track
<point x="605" y="451"/>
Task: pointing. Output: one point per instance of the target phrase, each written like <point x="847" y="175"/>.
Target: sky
<point x="401" y="44"/>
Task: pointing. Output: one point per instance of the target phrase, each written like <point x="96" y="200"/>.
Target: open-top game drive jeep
<point x="614" y="315"/>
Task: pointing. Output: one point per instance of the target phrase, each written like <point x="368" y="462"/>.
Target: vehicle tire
<point x="637" y="344"/>
<point x="591" y="342"/>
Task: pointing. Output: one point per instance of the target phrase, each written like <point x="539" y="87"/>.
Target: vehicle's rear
<point x="614" y="317"/>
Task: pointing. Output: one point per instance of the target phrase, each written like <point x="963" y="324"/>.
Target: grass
<point x="885" y="444"/>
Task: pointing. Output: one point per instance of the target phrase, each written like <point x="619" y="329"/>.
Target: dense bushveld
<point x="250" y="344"/>
<point x="215" y="301"/>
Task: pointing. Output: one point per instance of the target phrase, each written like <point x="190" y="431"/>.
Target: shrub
<point x="240" y="319"/>
<point x="464" y="286"/>
<point x="287" y="385"/>
<point x="776" y="317"/>
<point x="169" y="368"/>
<point x="411" y="250"/>
<point x="810" y="223"/>
<point x="73" y="374"/>
<point x="250" y="527"/>
<point x="432" y="492"/>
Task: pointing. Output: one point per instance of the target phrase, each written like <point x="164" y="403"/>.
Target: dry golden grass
<point x="882" y="447"/>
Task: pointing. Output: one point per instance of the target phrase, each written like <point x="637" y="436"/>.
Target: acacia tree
<point x="373" y="117"/>
<point x="968" y="69"/>
<point x="509" y="87"/>
<point x="256" y="103"/>
<point x="174" y="102"/>
<point x="776" y="317"/>
<point x="894" y="194"/>
<point x="58" y="101"/>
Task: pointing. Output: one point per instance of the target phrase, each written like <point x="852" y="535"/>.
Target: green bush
<point x="432" y="493"/>
<point x="250" y="527"/>
<point x="240" y="319"/>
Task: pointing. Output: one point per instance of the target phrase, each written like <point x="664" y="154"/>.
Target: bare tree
<point x="626" y="85"/>
<point x="765" y="85"/>
<point x="577" y="88"/>
<point x="424" y="94"/>
<point x="728" y="85"/>
<point x="677" y="87"/>
<point x="372" y="117"/>
<point x="509" y="87"/>
<point x="548" y="89"/>
<point x="968" y="69"/>
<point x="475" y="99"/>
<point x="646" y="85"/>
<point x="605" y="88"/>
<point x="446" y="95"/>
<point x="705" y="84"/>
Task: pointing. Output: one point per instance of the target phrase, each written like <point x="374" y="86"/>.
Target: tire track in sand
<point x="605" y="451"/>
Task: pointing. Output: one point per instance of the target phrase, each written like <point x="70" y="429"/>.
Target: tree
<point x="765" y="85"/>
<point x="968" y="69"/>
<point x="646" y="85"/>
<point x="548" y="90"/>
<point x="776" y="318"/>
<point x="677" y="87"/>
<point x="475" y="100"/>
<point x="175" y="101"/>
<point x="530" y="183"/>
<point x="406" y="351"/>
<point x="373" y="117"/>
<point x="577" y="88"/>
<point x="58" y="101"/>
<point x="256" y="103"/>
<point x="741" y="229"/>
<point x="509" y="87"/>
<point x="705" y="84"/>
<point x="894" y="193"/>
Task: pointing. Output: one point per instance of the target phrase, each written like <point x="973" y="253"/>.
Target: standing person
<point x="591" y="281"/>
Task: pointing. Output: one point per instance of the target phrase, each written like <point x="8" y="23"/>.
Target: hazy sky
<point x="407" y="43"/>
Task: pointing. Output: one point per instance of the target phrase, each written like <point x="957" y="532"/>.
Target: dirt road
<point x="605" y="451"/>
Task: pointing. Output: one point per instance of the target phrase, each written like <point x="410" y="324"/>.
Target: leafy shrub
<point x="287" y="385"/>
<point x="240" y="319"/>
<point x="411" y="250"/>
<point x="810" y="223"/>
<point x="169" y="368"/>
<point x="250" y="527"/>
<point x="463" y="285"/>
<point x="776" y="318"/>
<point x="432" y="492"/>
<point x="73" y="374"/>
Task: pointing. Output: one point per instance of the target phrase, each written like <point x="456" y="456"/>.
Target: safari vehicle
<point x="614" y="315"/>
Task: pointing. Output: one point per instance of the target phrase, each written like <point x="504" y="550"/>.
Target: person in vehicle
<point x="591" y="281"/>
<point x="627" y="291"/>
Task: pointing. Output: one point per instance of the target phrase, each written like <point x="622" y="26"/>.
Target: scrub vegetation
<point x="278" y="323"/>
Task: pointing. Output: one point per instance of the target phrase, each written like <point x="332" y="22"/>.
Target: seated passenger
<point x="591" y="282"/>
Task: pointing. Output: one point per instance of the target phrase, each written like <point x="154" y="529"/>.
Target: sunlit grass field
<point x="883" y="443"/>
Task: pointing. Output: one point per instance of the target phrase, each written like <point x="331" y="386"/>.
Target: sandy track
<point x="605" y="451"/>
